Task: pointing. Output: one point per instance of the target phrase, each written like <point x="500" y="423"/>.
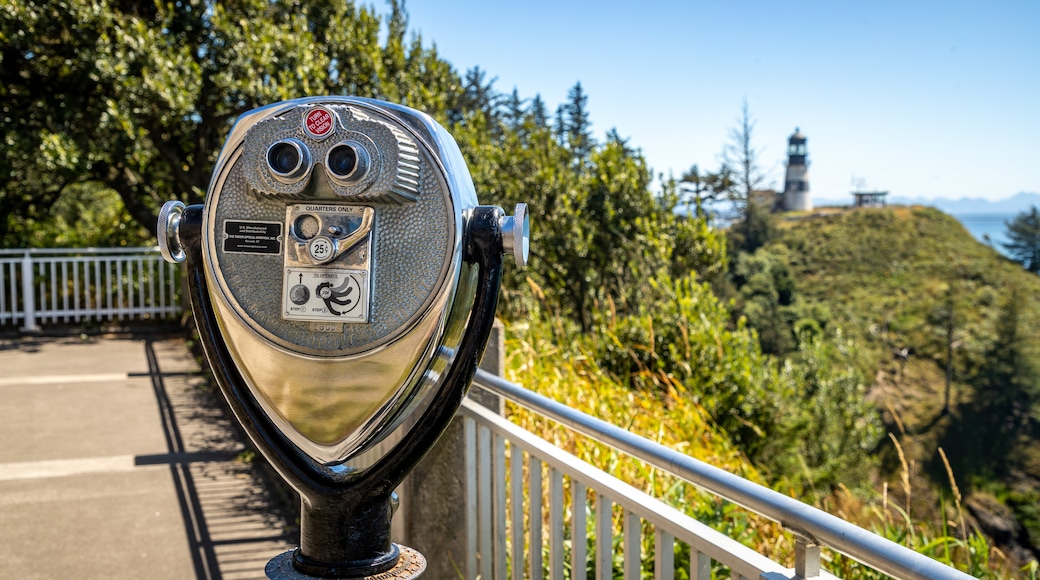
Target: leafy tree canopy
<point x="138" y="96"/>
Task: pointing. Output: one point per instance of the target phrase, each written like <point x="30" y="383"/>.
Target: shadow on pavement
<point x="233" y="523"/>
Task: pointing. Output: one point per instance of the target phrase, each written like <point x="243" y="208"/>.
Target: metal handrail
<point x="811" y="525"/>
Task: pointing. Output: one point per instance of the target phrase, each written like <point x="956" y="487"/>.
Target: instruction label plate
<point x="325" y="295"/>
<point x="244" y="237"/>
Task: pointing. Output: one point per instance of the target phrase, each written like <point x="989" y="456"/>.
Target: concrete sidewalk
<point x="116" y="463"/>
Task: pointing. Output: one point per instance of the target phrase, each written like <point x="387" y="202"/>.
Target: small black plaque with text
<point x="253" y="237"/>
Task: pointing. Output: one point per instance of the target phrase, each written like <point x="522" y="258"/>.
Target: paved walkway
<point x="116" y="462"/>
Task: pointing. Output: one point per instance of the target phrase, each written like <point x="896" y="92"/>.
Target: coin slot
<point x="306" y="227"/>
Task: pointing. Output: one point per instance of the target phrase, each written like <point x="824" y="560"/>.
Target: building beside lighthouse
<point x="796" y="195"/>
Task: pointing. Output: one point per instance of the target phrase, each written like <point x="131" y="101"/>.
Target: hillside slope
<point x="948" y="329"/>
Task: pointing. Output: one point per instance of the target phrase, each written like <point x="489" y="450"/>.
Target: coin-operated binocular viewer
<point x="343" y="280"/>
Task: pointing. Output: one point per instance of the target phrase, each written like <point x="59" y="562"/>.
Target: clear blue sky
<point x="937" y="99"/>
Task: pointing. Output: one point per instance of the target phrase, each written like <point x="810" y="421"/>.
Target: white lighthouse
<point x="796" y="187"/>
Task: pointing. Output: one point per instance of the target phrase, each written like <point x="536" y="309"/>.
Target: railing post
<point x="28" y="295"/>
<point x="806" y="558"/>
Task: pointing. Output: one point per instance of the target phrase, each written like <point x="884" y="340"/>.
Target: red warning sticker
<point x="318" y="122"/>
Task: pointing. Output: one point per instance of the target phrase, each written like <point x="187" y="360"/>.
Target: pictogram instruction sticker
<point x="325" y="295"/>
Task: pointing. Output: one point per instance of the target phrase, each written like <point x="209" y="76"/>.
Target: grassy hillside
<point x="926" y="303"/>
<point x="682" y="363"/>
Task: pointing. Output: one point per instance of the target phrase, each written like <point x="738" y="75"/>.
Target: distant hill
<point x="963" y="206"/>
<point x="910" y="286"/>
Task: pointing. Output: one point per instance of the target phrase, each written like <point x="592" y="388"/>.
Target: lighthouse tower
<point x="796" y="186"/>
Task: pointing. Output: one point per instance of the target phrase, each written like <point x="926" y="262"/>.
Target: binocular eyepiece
<point x="289" y="161"/>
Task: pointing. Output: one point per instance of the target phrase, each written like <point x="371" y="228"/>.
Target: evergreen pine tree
<point x="560" y="125"/>
<point x="478" y="95"/>
<point x="1024" y="233"/>
<point x="578" y="124"/>
<point x="514" y="110"/>
<point x="537" y="112"/>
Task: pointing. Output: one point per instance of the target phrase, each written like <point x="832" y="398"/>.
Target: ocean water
<point x="988" y="228"/>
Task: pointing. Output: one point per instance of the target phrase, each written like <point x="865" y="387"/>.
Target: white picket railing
<point x="62" y="286"/>
<point x="506" y="468"/>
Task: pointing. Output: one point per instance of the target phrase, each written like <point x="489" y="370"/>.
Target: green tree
<point x="699" y="187"/>
<point x="767" y="291"/>
<point x="1024" y="235"/>
<point x="594" y="230"/>
<point x="537" y="112"/>
<point x="1008" y="386"/>
<point x="514" y="110"/>
<point x="478" y="94"/>
<point x="742" y="160"/>
<point x="599" y="231"/>
<point x="696" y="246"/>
<point x="619" y="215"/>
<point x="756" y="228"/>
<point x="994" y="429"/>
<point x="829" y="426"/>
<point x="577" y="126"/>
<point x="85" y="215"/>
<point x="138" y="97"/>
